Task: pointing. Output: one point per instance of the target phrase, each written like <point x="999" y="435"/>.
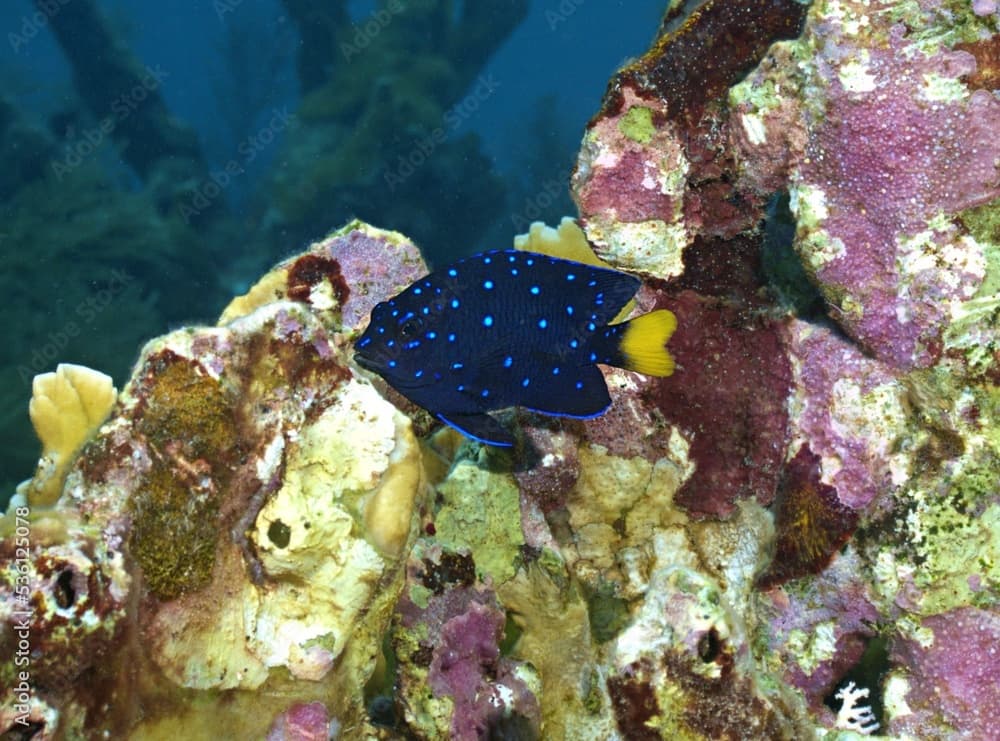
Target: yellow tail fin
<point x="643" y="344"/>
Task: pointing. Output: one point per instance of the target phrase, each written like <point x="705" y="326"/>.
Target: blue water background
<point x="545" y="82"/>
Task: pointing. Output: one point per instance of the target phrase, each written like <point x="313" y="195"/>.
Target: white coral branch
<point x="854" y="717"/>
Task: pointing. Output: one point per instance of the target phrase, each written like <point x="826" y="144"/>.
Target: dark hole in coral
<point x="279" y="533"/>
<point x="514" y="727"/>
<point x="453" y="568"/>
<point x="868" y="672"/>
<point x="709" y="646"/>
<point x="64" y="592"/>
<point x="379" y="689"/>
<point x="608" y="614"/>
<point x="382" y="711"/>
<point x="18" y="732"/>
<point x="786" y="277"/>
<point x="511" y="633"/>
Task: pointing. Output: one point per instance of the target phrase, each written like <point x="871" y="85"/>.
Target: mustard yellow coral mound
<point x="66" y="409"/>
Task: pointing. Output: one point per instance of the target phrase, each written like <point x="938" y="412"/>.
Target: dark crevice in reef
<point x="868" y="673"/>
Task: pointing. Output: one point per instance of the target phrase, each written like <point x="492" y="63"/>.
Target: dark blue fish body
<point x="510" y="328"/>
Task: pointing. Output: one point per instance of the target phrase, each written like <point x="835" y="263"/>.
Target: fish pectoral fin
<point x="480" y="427"/>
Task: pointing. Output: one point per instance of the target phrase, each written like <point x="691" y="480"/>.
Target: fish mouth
<point x="369" y="364"/>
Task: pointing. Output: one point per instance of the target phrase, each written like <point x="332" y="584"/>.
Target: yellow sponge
<point x="66" y="408"/>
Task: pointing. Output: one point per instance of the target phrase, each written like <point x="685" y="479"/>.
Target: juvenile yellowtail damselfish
<point x="510" y="328"/>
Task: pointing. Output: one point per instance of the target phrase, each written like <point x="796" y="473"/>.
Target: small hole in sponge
<point x="64" y="593"/>
<point x="709" y="646"/>
<point x="279" y="533"/>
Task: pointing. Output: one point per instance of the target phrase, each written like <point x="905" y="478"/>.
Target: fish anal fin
<point x="578" y="392"/>
<point x="480" y="427"/>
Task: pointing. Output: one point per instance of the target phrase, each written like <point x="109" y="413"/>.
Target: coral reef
<point x="794" y="536"/>
<point x="238" y="526"/>
<point x="66" y="408"/>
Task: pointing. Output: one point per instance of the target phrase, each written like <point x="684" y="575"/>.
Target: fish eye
<point x="410" y="327"/>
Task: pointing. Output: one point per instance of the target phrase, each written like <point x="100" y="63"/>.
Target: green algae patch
<point x="189" y="418"/>
<point x="637" y="124"/>
<point x="983" y="223"/>
<point x="173" y="535"/>
<point x="186" y="406"/>
<point x="481" y="511"/>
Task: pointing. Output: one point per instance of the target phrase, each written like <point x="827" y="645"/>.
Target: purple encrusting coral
<point x="910" y="156"/>
<point x="304" y="722"/>
<point x="729" y="399"/>
<point x="452" y="675"/>
<point x="954" y="675"/>
<point x="848" y="409"/>
<point x="893" y="140"/>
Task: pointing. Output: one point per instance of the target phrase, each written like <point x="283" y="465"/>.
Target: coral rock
<point x="246" y="511"/>
<point x="66" y="408"/>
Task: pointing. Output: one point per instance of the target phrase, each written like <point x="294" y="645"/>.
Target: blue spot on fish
<point x="543" y="323"/>
<point x="487" y="321"/>
<point x="488" y="285"/>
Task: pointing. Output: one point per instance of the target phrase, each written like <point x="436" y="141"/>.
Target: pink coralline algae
<point x="454" y="680"/>
<point x="898" y="141"/>
<point x="304" y="722"/>
<point x="954" y="675"/>
<point x="849" y="409"/>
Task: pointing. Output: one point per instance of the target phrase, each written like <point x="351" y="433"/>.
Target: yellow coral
<point x="66" y="408"/>
<point x="567" y="241"/>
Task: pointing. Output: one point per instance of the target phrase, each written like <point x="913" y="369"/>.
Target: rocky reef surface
<point x="797" y="535"/>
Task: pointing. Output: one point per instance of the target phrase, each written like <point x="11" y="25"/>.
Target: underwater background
<point x="154" y="160"/>
<point x="265" y="533"/>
